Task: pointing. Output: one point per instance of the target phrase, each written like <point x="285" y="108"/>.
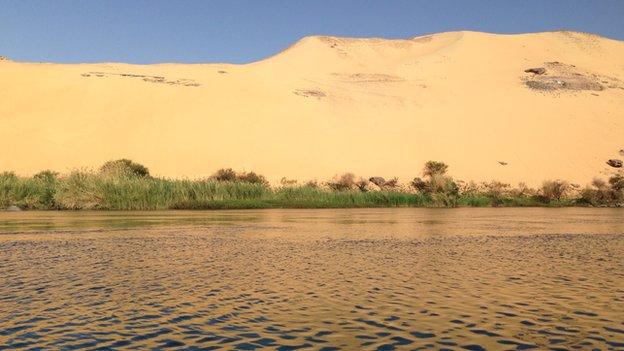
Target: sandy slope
<point x="328" y="105"/>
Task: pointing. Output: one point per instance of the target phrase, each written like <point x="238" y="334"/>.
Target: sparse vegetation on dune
<point x="126" y="185"/>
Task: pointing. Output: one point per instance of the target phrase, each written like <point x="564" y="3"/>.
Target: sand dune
<point x="328" y="105"/>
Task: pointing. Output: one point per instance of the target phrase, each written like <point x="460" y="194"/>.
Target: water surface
<point x="374" y="279"/>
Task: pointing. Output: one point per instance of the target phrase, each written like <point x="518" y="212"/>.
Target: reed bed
<point x="125" y="185"/>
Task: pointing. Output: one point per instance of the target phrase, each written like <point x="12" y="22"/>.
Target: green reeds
<point x="124" y="190"/>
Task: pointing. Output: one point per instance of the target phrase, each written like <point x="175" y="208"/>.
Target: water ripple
<point x="327" y="288"/>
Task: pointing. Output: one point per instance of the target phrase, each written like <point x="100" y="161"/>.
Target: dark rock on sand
<point x="615" y="163"/>
<point x="310" y="93"/>
<point x="537" y="70"/>
<point x="502" y="163"/>
<point x="564" y="77"/>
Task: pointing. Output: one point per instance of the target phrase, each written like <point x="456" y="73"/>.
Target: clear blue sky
<point x="238" y="31"/>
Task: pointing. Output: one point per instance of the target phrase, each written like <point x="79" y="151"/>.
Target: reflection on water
<point x="466" y="279"/>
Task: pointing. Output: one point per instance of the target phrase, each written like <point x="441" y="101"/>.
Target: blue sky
<point x="239" y="31"/>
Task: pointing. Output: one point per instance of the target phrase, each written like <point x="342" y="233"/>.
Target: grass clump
<point x="36" y="193"/>
<point x="316" y="197"/>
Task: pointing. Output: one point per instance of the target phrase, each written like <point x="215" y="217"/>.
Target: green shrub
<point x="229" y="175"/>
<point x="124" y="167"/>
<point x="443" y="191"/>
<point x="434" y="168"/>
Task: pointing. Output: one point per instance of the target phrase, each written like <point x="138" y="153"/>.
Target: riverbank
<point x="97" y="191"/>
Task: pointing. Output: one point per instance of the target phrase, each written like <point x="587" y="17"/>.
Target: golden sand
<point x="328" y="105"/>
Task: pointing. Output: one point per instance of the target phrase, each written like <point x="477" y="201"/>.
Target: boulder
<point x="536" y="70"/>
<point x="622" y="152"/>
<point x="615" y="163"/>
<point x="13" y="208"/>
<point x="379" y="181"/>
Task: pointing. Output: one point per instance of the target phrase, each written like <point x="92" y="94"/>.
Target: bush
<point x="617" y="182"/>
<point x="433" y="168"/>
<point x="419" y="185"/>
<point x="442" y="190"/>
<point x="253" y="178"/>
<point x="124" y="167"/>
<point x="362" y="185"/>
<point x="496" y="192"/>
<point x="229" y="175"/>
<point x="379" y="181"/>
<point x="391" y="183"/>
<point x="441" y="183"/>
<point x="601" y="193"/>
<point x="224" y="175"/>
<point x="342" y="183"/>
<point x="288" y="182"/>
<point x="554" y="190"/>
<point x="522" y="190"/>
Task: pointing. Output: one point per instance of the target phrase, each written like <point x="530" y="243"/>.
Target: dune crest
<point x="326" y="105"/>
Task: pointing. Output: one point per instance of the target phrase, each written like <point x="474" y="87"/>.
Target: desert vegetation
<point x="126" y="185"/>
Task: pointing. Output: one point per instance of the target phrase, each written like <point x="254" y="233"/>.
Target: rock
<point x="13" y="208"/>
<point x="379" y="181"/>
<point x="537" y="70"/>
<point x="3" y="58"/>
<point x="615" y="163"/>
<point x="502" y="163"/>
<point x="622" y="152"/>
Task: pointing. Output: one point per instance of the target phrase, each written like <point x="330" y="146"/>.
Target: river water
<point x="364" y="279"/>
